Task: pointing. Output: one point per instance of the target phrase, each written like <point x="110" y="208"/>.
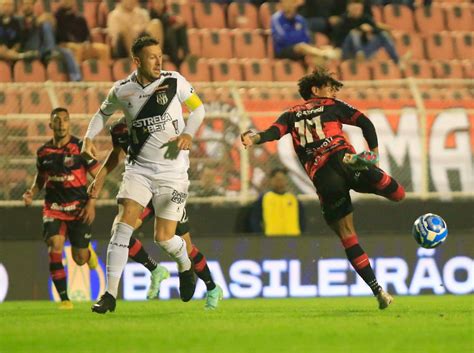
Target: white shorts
<point x="168" y="197"/>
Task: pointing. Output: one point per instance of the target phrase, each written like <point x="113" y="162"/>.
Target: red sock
<point x="58" y="274"/>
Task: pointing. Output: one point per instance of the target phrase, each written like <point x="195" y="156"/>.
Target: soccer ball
<point x="430" y="230"/>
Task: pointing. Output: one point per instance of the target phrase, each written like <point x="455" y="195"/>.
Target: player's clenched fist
<point x="28" y="197"/>
<point x="88" y="151"/>
<point x="249" y="138"/>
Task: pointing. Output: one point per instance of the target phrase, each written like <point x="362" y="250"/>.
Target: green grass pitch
<point x="423" y="324"/>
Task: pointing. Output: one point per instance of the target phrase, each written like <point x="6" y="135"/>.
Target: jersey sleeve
<point x="346" y="113"/>
<point x="279" y="128"/>
<point x="110" y="104"/>
<point x="184" y="89"/>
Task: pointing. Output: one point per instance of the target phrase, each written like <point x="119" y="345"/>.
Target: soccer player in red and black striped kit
<point x="63" y="172"/>
<point x="120" y="141"/>
<point x="332" y="163"/>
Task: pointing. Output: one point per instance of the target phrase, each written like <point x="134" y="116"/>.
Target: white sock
<point x="117" y="255"/>
<point x="176" y="248"/>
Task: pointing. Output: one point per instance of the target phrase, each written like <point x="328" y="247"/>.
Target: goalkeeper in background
<point x="332" y="164"/>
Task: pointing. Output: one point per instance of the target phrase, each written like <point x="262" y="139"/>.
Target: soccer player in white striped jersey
<point x="157" y="160"/>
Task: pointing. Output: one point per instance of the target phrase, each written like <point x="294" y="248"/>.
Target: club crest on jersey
<point x="68" y="161"/>
<point x="161" y="98"/>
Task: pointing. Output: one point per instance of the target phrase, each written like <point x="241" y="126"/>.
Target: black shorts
<point x="79" y="233"/>
<point x="183" y="225"/>
<point x="333" y="182"/>
<point x="289" y="53"/>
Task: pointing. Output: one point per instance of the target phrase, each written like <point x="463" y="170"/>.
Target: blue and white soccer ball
<point x="430" y="230"/>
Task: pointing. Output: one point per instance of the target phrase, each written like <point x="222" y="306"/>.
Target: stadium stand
<point x="217" y="44"/>
<point x="29" y="71"/>
<point x="242" y="15"/>
<point x="257" y="70"/>
<point x="56" y="71"/>
<point x="399" y="17"/>
<point x="248" y="44"/>
<point x="459" y="17"/>
<point x="225" y="70"/>
<point x="430" y="19"/>
<point x="286" y="70"/>
<point x="5" y="72"/>
<point x="208" y="15"/>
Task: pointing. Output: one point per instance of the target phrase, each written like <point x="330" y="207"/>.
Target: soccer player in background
<point x="157" y="163"/>
<point x="332" y="164"/>
<point x="121" y="141"/>
<point x="63" y="172"/>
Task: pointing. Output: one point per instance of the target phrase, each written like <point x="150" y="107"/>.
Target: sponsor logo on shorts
<point x="178" y="197"/>
<point x="87" y="236"/>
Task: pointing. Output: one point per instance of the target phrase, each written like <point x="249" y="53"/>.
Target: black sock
<point x="360" y="261"/>
<point x="201" y="268"/>
<point x="138" y="254"/>
<point x="58" y="274"/>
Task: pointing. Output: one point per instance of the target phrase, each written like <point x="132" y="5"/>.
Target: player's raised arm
<point x="274" y="132"/>
<point x="97" y="123"/>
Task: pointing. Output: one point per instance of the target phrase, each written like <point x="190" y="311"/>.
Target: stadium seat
<point x="459" y="17"/>
<point x="257" y="70"/>
<point x="439" y="46"/>
<point x="182" y="9"/>
<point x="430" y="19"/>
<point x="195" y="41"/>
<point x="196" y="70"/>
<point x="463" y="42"/>
<point x="103" y="10"/>
<point x="96" y="70"/>
<point x="29" y="71"/>
<point x="208" y="15"/>
<point x="225" y="70"/>
<point x="419" y="69"/>
<point x="269" y="93"/>
<point x="56" y="71"/>
<point x="89" y="10"/>
<point x="217" y="44"/>
<point x="169" y="66"/>
<point x="412" y="42"/>
<point x="242" y="15"/>
<point x="265" y="12"/>
<point x="399" y="17"/>
<point x="5" y="72"/>
<point x="121" y="68"/>
<point x="351" y="70"/>
<point x="35" y="101"/>
<point x="447" y="69"/>
<point x="377" y="13"/>
<point x="72" y="98"/>
<point x="248" y="44"/>
<point x="468" y="68"/>
<point x="386" y="70"/>
<point x="287" y="70"/>
<point x="95" y="97"/>
<point x="9" y="101"/>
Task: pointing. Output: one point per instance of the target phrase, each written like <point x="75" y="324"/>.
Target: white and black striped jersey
<point x="153" y="114"/>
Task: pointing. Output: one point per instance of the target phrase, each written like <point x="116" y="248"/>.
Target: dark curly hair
<point x="142" y="42"/>
<point x="320" y="77"/>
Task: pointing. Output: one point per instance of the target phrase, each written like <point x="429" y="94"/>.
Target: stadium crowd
<point x="85" y="36"/>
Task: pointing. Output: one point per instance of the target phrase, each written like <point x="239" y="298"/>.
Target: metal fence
<point x="425" y="128"/>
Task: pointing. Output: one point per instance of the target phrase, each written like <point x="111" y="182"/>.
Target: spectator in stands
<point x="127" y="22"/>
<point x="410" y="3"/>
<point x="323" y="15"/>
<point x="291" y="37"/>
<point x="38" y="35"/>
<point x="11" y="33"/>
<point x="73" y="32"/>
<point x="277" y="212"/>
<point x="360" y="37"/>
<point x="175" y="32"/>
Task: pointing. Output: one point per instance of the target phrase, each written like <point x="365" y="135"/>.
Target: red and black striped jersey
<point x="316" y="129"/>
<point x="65" y="172"/>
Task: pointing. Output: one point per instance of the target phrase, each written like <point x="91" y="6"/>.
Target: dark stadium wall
<point x="371" y="217"/>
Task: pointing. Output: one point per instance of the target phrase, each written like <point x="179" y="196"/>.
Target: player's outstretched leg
<point x="58" y="275"/>
<point x="214" y="292"/>
<point x="358" y="258"/>
<point x="137" y="252"/>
